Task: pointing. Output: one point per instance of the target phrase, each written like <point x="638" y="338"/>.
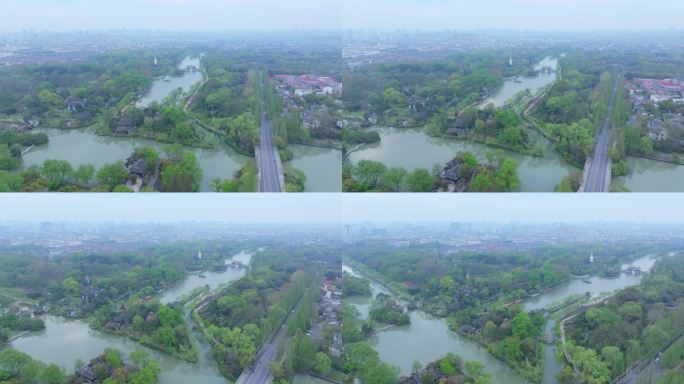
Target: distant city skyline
<point x="344" y="208"/>
<point x="160" y="207"/>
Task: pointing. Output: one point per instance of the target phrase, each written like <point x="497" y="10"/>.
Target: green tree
<point x="393" y="178"/>
<point x="182" y="175"/>
<point x="10" y="182"/>
<point x="420" y="180"/>
<point x="56" y="171"/>
<point x="322" y="363"/>
<point x="83" y="174"/>
<point x="71" y="286"/>
<point x="393" y="97"/>
<point x="52" y="374"/>
<point x="592" y="370"/>
<point x="111" y="175"/>
<point x="614" y="360"/>
<point x="369" y="172"/>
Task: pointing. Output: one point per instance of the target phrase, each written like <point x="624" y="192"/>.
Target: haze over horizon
<point x="533" y="15"/>
<point x="170" y="15"/>
<point x="273" y="15"/>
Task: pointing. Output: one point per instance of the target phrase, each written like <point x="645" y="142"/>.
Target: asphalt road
<point x="270" y="178"/>
<point x="598" y="168"/>
<point x="260" y="373"/>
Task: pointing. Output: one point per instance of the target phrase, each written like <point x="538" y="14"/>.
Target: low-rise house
<point x="76" y="104"/>
<point x="656" y="130"/>
<point x="137" y="168"/>
<point x="124" y="126"/>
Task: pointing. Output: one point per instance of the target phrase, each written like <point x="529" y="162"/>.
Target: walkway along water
<point x="66" y="341"/>
<point x="579" y="286"/>
<point x="412" y="148"/>
<point x="429" y="339"/>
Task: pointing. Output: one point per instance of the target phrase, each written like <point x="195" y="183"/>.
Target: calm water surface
<point x="412" y="148"/>
<point x="162" y="87"/>
<point x="65" y="341"/>
<point x="653" y="176"/>
<point x="82" y="146"/>
<point x="513" y="86"/>
<point x="427" y="339"/>
<point x="322" y="167"/>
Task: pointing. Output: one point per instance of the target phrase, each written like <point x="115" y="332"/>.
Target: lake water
<point x="425" y="340"/>
<point x="82" y="146"/>
<point x="513" y="86"/>
<point x="211" y="279"/>
<point x="576" y="286"/>
<point x="322" y="167"/>
<point x="162" y="87"/>
<point x="65" y="341"/>
<point x="597" y="286"/>
<point x="412" y="148"/>
<point x="653" y="176"/>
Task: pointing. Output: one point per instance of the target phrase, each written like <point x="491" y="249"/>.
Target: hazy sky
<point x="169" y="14"/>
<point x="339" y="208"/>
<point x="513" y="14"/>
<point x="336" y="14"/>
<point x="546" y="207"/>
<point x="248" y="207"/>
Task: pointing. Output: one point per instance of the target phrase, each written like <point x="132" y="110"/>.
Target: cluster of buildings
<point x="645" y="92"/>
<point x="329" y="309"/>
<point x="313" y="117"/>
<point x="307" y="84"/>
<point x="659" y="90"/>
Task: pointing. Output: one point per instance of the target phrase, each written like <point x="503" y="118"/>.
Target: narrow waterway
<point x="66" y="341"/>
<point x="412" y="148"/>
<point x="322" y="167"/>
<point x="83" y="146"/>
<point x="425" y="340"/>
<point x="162" y="87"/>
<point x="653" y="176"/>
<point x="210" y="279"/>
<point x="594" y="285"/>
<point x="513" y="86"/>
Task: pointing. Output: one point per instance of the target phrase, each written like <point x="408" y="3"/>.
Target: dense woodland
<point x="112" y="367"/>
<point x="496" y="174"/>
<point x="441" y="96"/>
<point x="249" y="310"/>
<point x="633" y="327"/>
<point x="478" y="291"/>
<point x="114" y="291"/>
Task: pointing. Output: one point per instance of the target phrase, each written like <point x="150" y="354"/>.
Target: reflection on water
<point x="322" y="167"/>
<point x="65" y="341"/>
<point x="429" y="339"/>
<point x="412" y="149"/>
<point x="162" y="87"/>
<point x="512" y="87"/>
<point x="597" y="286"/>
<point x="82" y="146"/>
<point x="653" y="176"/>
<point x="211" y="279"/>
